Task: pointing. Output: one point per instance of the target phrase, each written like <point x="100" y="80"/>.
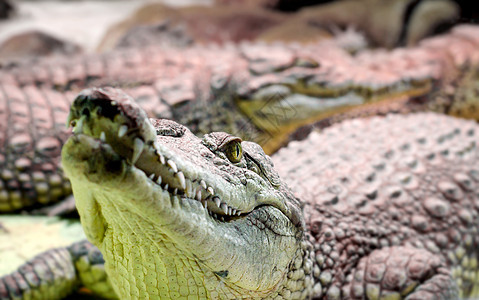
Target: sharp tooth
<point x="102" y="136"/>
<point x="204" y="203"/>
<point x="137" y="149"/>
<point x="152" y="176"/>
<point x="229" y="211"/>
<point x="211" y="190"/>
<point x="193" y="192"/>
<point x="173" y="166"/>
<point x="181" y="178"/>
<point x="217" y="201"/>
<point x="203" y="184"/>
<point x="122" y="131"/>
<point x="198" y="195"/>
<point x="79" y="125"/>
<point x="159" y="180"/>
<point x="175" y="191"/>
<point x="233" y="212"/>
<point x="238" y="213"/>
<point x="175" y="201"/>
<point x="224" y="207"/>
<point x="166" y="187"/>
<point x="162" y="158"/>
<point x="189" y="187"/>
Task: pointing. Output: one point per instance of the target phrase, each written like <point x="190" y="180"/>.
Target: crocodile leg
<point x="401" y="273"/>
<point x="48" y="276"/>
<point x="57" y="273"/>
<point x="89" y="265"/>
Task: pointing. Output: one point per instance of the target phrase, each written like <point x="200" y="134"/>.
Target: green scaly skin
<point x="412" y="236"/>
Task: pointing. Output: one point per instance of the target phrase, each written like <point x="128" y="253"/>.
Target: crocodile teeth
<point x="211" y="190"/>
<point x="173" y="166"/>
<point x="181" y="179"/>
<point x="166" y="187"/>
<point x="192" y="192"/>
<point x="102" y="136"/>
<point x="189" y="187"/>
<point x="175" y="191"/>
<point x="233" y="212"/>
<point x="137" y="149"/>
<point x="122" y="131"/>
<point x="159" y="180"/>
<point x="217" y="201"/>
<point x="224" y="207"/>
<point x="204" y="203"/>
<point x="203" y="184"/>
<point x="78" y="126"/>
<point x="152" y="176"/>
<point x="198" y="195"/>
<point x="162" y="158"/>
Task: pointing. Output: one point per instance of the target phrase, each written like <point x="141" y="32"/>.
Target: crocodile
<point x="259" y="92"/>
<point x="380" y="207"/>
<point x="384" y="207"/>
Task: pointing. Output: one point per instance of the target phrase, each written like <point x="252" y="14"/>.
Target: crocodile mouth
<point x="121" y="129"/>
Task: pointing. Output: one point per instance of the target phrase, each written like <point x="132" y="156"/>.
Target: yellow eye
<point x="233" y="151"/>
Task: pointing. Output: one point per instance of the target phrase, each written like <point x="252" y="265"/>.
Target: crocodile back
<point x="366" y="165"/>
<point x="389" y="181"/>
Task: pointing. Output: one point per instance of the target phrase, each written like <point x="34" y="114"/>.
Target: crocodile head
<point x="175" y="215"/>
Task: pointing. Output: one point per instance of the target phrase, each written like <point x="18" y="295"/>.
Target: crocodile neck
<point x="170" y="272"/>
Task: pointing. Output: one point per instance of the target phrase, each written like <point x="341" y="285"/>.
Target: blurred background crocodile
<point x="391" y="213"/>
<point x="259" y="92"/>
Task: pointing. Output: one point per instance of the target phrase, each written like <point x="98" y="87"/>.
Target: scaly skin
<point x="259" y="92"/>
<point x="391" y="213"/>
<point x="57" y="273"/>
<point x="68" y="264"/>
<point x="405" y="186"/>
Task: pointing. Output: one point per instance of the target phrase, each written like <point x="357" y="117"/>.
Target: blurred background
<point x="41" y="28"/>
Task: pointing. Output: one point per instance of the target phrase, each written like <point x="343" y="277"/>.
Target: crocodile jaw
<point x="139" y="225"/>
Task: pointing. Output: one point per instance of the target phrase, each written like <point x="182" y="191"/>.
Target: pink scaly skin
<point x="391" y="206"/>
<point x="196" y="86"/>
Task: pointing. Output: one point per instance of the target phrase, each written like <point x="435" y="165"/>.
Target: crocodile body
<point x="391" y="213"/>
<point x="257" y="91"/>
